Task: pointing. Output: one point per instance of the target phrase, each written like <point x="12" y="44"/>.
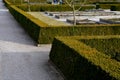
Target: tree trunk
<point x="29" y="6"/>
<point x="74" y="18"/>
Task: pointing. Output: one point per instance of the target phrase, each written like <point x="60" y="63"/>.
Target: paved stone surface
<point x="20" y="59"/>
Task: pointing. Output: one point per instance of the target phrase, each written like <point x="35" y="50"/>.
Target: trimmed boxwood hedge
<point x="49" y="7"/>
<point x="44" y="33"/>
<point x="108" y="6"/>
<point x="78" y="61"/>
<point x="7" y="3"/>
<point x="23" y="1"/>
<point x="112" y="2"/>
<point x="110" y="46"/>
<point x="47" y="34"/>
<point x="29" y="23"/>
<point x="108" y="2"/>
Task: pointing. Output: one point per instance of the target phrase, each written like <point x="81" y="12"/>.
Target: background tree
<point x="72" y="4"/>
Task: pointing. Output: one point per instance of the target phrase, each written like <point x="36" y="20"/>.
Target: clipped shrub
<point x="107" y="46"/>
<point x="7" y="3"/>
<point x="113" y="8"/>
<point x="108" y="6"/>
<point x="25" y="1"/>
<point x="47" y="34"/>
<point x="97" y="6"/>
<point x="49" y="7"/>
<point x="79" y="61"/>
<point x="111" y="2"/>
<point x="28" y="22"/>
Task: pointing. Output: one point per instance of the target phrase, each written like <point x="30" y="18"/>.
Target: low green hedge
<point x="78" y="61"/>
<point x="112" y="2"/>
<point x="49" y="7"/>
<point x="7" y="3"/>
<point x="23" y="1"/>
<point x="108" y="6"/>
<point x="28" y="22"/>
<point x="110" y="46"/>
<point x="47" y="34"/>
<point x="15" y="1"/>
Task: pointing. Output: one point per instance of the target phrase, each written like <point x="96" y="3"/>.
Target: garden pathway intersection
<point x="20" y="59"/>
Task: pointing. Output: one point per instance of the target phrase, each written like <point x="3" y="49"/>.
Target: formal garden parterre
<point x="44" y="33"/>
<point x="93" y="55"/>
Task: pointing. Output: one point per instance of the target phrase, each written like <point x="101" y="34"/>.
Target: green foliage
<point x="30" y="24"/>
<point x="49" y="7"/>
<point x="113" y="8"/>
<point x="111" y="2"/>
<point x="7" y="3"/>
<point x="23" y="1"/>
<point x="108" y="6"/>
<point x="97" y="6"/>
<point x="15" y="1"/>
<point x="47" y="34"/>
<point x="78" y="61"/>
<point x="108" y="46"/>
<point x="39" y="1"/>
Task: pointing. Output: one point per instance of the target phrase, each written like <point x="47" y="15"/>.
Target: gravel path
<point x="49" y="20"/>
<point x="20" y="59"/>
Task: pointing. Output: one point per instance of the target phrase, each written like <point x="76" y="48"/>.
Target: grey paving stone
<point x="20" y="59"/>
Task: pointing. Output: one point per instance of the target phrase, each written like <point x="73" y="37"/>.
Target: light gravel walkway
<point x="48" y="19"/>
<point x="20" y="59"/>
